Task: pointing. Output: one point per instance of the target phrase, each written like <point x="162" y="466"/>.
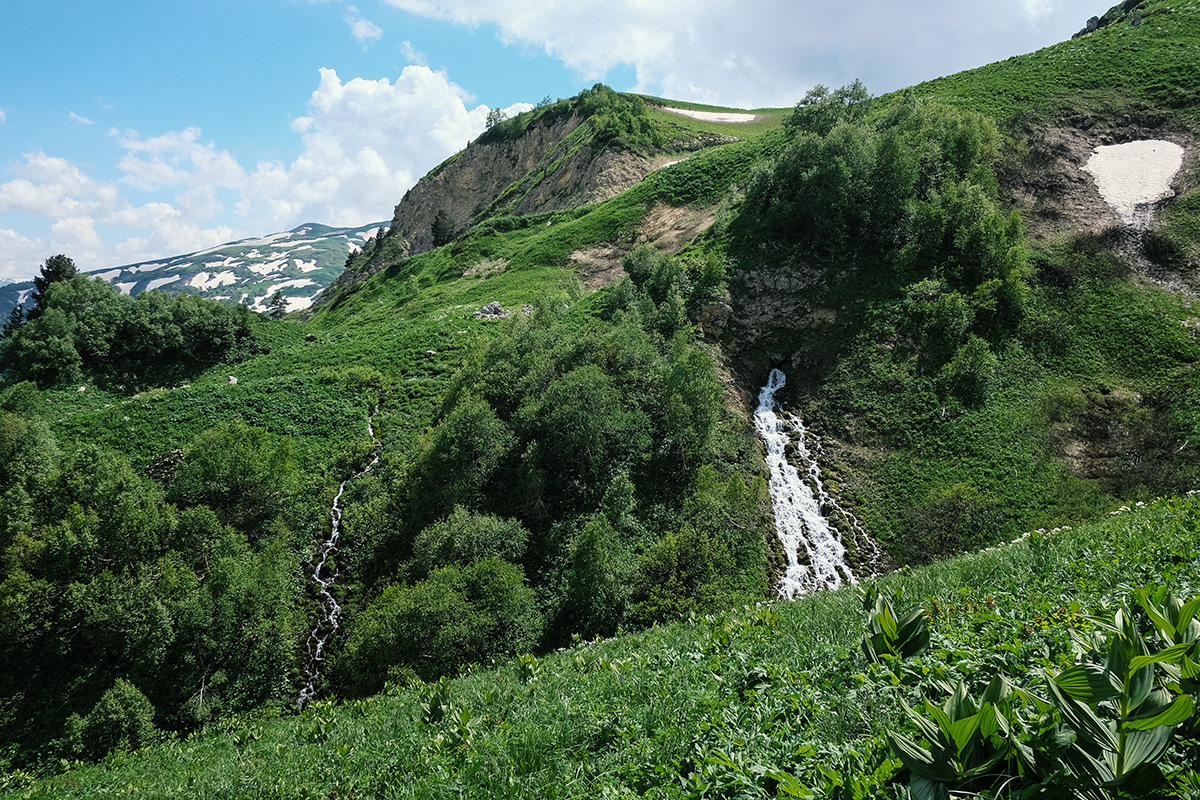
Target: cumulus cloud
<point x="3" y="116"/>
<point x="363" y="144"/>
<point x="719" y="51"/>
<point x="175" y="158"/>
<point x="81" y="120"/>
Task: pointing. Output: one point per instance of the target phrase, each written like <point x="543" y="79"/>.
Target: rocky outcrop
<point x="554" y="165"/>
<point x="546" y="169"/>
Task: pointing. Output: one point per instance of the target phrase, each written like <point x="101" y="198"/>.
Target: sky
<point x="143" y="129"/>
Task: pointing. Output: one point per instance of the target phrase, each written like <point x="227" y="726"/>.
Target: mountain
<point x="299" y="263"/>
<point x="517" y="508"/>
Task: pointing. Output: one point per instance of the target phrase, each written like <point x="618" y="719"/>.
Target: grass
<point x="717" y="705"/>
<point x="1114" y="70"/>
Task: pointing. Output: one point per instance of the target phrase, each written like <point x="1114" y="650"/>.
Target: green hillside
<point x="977" y="348"/>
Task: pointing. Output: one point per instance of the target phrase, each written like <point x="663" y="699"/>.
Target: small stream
<point x="325" y="576"/>
<point x="816" y="551"/>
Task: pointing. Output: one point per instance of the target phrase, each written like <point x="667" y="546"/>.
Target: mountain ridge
<point x="299" y="262"/>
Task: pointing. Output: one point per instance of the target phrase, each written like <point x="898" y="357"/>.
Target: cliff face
<point x="553" y="166"/>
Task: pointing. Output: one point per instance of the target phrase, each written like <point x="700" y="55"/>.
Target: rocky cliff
<point x="556" y="163"/>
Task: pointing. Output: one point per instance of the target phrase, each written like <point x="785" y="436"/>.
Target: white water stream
<point x="816" y="553"/>
<point x="329" y="618"/>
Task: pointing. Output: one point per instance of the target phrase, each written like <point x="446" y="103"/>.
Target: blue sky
<point x="147" y="128"/>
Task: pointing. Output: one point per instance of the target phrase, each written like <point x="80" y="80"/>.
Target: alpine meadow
<point x="652" y="449"/>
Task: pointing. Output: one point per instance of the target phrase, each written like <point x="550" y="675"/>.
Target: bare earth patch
<point x="666" y="228"/>
<point x="712" y="116"/>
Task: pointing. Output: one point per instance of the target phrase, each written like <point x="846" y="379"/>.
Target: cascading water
<point x="329" y="618"/>
<point x="816" y="554"/>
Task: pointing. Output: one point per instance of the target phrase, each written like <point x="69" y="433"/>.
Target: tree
<point x="442" y="229"/>
<point x="16" y="318"/>
<point x="244" y="474"/>
<point x="278" y="304"/>
<point x="122" y="720"/>
<point x="54" y="270"/>
<point x="596" y="581"/>
<point x="495" y="117"/>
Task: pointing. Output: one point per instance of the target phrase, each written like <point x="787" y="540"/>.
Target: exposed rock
<point x="715" y="317"/>
<point x="231" y="380"/>
<point x="1137" y="19"/>
<point x="312" y="337"/>
<point x="533" y="174"/>
<point x="492" y="310"/>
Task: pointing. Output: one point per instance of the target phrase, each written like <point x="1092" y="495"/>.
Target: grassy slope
<point x="716" y="702"/>
<point x="653" y="710"/>
<point x="1156" y="63"/>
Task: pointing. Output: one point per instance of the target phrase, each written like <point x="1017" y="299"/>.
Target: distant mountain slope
<point x="300" y="263"/>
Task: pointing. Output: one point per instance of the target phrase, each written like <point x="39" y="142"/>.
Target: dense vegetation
<point x="778" y="700"/>
<point x="80" y="326"/>
<point x="585" y="468"/>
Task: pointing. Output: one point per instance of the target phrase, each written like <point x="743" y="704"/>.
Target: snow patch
<point x="298" y="283"/>
<point x="126" y="288"/>
<point x="1135" y="176"/>
<point x="305" y="266"/>
<point x="108" y="275"/>
<point x="269" y="268"/>
<point x="205" y="280"/>
<point x="157" y="282"/>
<point x="712" y="116"/>
<point x="148" y="267"/>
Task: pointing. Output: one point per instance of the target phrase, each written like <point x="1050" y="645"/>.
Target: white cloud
<point x="3" y="116"/>
<point x="1037" y="9"/>
<point x="81" y="120"/>
<point x="363" y="29"/>
<point x="363" y="144"/>
<point x="411" y="55"/>
<point x="770" y="53"/>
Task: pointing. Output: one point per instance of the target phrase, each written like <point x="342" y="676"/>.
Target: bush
<point x="121" y="721"/>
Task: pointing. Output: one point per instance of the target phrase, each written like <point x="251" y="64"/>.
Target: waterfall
<point x="816" y="553"/>
<point x="329" y="618"/>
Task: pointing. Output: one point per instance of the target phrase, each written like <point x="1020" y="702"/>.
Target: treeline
<point x="618" y="120"/>
<point x="83" y="328"/>
<point x="577" y="481"/>
<point x="132" y="607"/>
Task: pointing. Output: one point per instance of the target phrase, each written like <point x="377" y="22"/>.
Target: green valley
<point x="561" y="577"/>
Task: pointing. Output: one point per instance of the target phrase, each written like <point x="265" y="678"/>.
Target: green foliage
<point x="244" y="474"/>
<point x="596" y="588"/>
<point x="86" y="327"/>
<point x="55" y="270"/>
<point x="717" y="557"/>
<point x="821" y="110"/>
<point x="443" y="229"/>
<point x="887" y="635"/>
<point x="465" y="537"/>
<point x="456" y="616"/>
<point x="1108" y="724"/>
<point x="121" y="721"/>
<point x="774" y="700"/>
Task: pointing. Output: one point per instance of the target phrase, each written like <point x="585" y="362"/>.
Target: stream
<point x="816" y="551"/>
<point x="329" y="617"/>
